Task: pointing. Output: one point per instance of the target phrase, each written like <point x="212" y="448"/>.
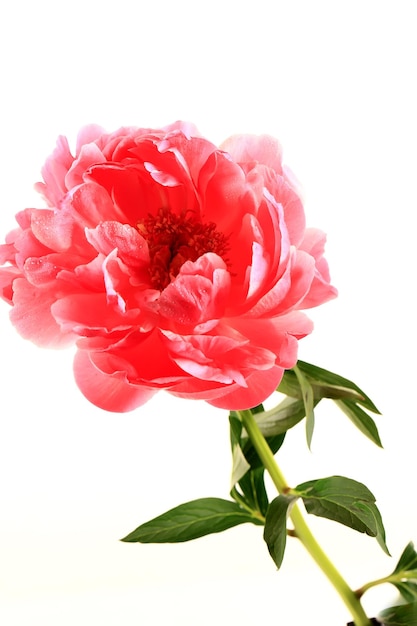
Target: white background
<point x="335" y="82"/>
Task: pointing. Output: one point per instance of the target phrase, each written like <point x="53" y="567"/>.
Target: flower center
<point x="173" y="239"/>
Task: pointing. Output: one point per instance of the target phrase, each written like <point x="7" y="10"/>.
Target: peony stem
<point x="301" y="529"/>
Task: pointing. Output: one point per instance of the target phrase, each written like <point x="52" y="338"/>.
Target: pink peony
<point x="171" y="263"/>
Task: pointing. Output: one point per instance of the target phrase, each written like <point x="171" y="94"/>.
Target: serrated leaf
<point x="345" y="501"/>
<point x="275" y="531"/>
<point x="403" y="615"/>
<point x="361" y="419"/>
<point x="192" y="520"/>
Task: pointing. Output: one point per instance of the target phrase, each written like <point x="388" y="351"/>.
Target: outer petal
<point x="108" y="392"/>
<point x="143" y="359"/>
<point x="255" y="148"/>
<point x="260" y="386"/>
<point x="88" y="134"/>
<point x="54" y="172"/>
<point x="90" y="154"/>
<point x="292" y="206"/>
<point x="7" y="277"/>
<point x="187" y="128"/>
<point x="321" y="290"/>
<point x="289" y="290"/>
<point x="31" y="314"/>
<point x="224" y="358"/>
<point x="279" y="335"/>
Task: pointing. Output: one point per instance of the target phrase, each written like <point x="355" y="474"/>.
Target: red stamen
<point x="173" y="240"/>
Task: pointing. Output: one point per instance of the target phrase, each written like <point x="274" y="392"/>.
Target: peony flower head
<point x="171" y="264"/>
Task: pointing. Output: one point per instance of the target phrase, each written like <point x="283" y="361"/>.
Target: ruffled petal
<point x="198" y="295"/>
<point x="109" y="392"/>
<point x="31" y="315"/>
<point x="54" y="172"/>
<point x="170" y="263"/>
<point x="260" y="385"/>
<point x="255" y="148"/>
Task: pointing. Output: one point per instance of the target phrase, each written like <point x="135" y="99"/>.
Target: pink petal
<point x="87" y="135"/>
<point x="293" y="210"/>
<point x="222" y="184"/>
<point x="197" y="295"/>
<point x="186" y="128"/>
<point x="131" y="248"/>
<point x="289" y="290"/>
<point x="88" y="314"/>
<point x="109" y="392"/>
<point x="320" y="291"/>
<point x="54" y="229"/>
<point x="220" y="358"/>
<point x="93" y="205"/>
<point x="89" y="155"/>
<point x="143" y="358"/>
<point x="41" y="270"/>
<point x="277" y="335"/>
<point x="260" y="386"/>
<point x="31" y="315"/>
<point x="54" y="172"/>
<point x="255" y="148"/>
<point x="7" y="277"/>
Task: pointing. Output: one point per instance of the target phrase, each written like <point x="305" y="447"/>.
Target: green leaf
<point x="281" y="418"/>
<point x="408" y="590"/>
<point x="275" y="532"/>
<point x="240" y="437"/>
<point x="407" y="560"/>
<point x="404" y="576"/>
<point x="289" y="386"/>
<point x="372" y="513"/>
<point x="403" y="615"/>
<point x="361" y="419"/>
<point x="248" y="474"/>
<point x="252" y="485"/>
<point x="335" y="384"/>
<point x="192" y="520"/>
<point x="308" y="401"/>
<point x="252" y="456"/>
<point x="345" y="501"/>
<point x="306" y="379"/>
<point x="239" y="464"/>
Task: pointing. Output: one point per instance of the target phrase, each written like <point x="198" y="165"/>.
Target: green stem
<point x="301" y="528"/>
<point x="398" y="577"/>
